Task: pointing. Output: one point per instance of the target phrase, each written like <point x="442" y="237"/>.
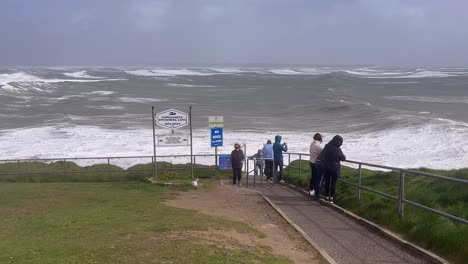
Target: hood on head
<point x="337" y="141"/>
<point x="278" y="139"/>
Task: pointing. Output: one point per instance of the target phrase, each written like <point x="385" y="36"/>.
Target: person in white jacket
<point x="315" y="166"/>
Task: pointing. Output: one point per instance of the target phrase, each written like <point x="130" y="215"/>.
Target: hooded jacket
<point x="331" y="155"/>
<point x="278" y="148"/>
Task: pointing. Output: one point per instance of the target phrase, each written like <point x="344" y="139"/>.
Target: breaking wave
<point x="81" y="74"/>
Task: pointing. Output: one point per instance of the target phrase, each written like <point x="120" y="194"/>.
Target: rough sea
<point x="405" y="117"/>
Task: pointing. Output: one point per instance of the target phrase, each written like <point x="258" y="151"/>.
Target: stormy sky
<point x="202" y="32"/>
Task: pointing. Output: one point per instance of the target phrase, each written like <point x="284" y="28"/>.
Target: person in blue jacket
<point x="278" y="149"/>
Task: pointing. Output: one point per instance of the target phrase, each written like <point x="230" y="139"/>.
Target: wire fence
<point x="138" y="167"/>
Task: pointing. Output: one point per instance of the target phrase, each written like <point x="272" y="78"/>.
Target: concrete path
<point x="340" y="237"/>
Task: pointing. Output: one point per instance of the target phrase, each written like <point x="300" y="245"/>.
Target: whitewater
<point x="404" y="117"/>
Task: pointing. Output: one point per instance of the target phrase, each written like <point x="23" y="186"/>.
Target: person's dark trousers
<point x="318" y="172"/>
<point x="312" y="178"/>
<point x="315" y="178"/>
<point x="269" y="168"/>
<point x="278" y="172"/>
<point x="330" y="182"/>
<point x="236" y="175"/>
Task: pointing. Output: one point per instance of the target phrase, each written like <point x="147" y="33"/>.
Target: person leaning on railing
<point x="278" y="150"/>
<point x="257" y="158"/>
<point x="315" y="166"/>
<point x="330" y="158"/>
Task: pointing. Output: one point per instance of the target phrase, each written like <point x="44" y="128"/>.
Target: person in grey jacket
<point x="315" y="166"/>
<point x="330" y="157"/>
<point x="237" y="159"/>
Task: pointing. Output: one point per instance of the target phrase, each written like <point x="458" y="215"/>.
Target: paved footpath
<point x="340" y="237"/>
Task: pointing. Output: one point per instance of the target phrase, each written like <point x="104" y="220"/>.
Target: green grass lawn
<point x="115" y="222"/>
<point x="436" y="233"/>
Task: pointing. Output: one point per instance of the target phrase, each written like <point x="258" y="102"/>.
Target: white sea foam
<point x="365" y="72"/>
<point x="228" y="70"/>
<point x="105" y="107"/>
<point x="140" y="100"/>
<point x="81" y="74"/>
<point x="446" y="99"/>
<point x="285" y="71"/>
<point x="167" y="72"/>
<point x="103" y="93"/>
<point x="439" y="144"/>
<point x="186" y="85"/>
<point x="22" y="79"/>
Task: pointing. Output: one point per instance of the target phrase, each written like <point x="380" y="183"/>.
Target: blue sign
<point x="216" y="137"/>
<point x="224" y="162"/>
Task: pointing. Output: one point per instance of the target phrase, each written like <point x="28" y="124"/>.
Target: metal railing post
<point x="63" y="169"/>
<point x="359" y="182"/>
<point x="108" y="167"/>
<point x="300" y="167"/>
<point x="275" y="172"/>
<point x="18" y="168"/>
<point x="289" y="164"/>
<point x="401" y="194"/>
<point x="255" y="169"/>
<point x="152" y="163"/>
<point x="247" y="169"/>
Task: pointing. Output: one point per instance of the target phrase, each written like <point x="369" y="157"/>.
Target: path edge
<point x="419" y="251"/>
<point x="298" y="229"/>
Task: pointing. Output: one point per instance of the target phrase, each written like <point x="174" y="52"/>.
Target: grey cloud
<point x="381" y="32"/>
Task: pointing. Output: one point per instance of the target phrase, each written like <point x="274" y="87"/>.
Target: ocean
<point x="404" y="117"/>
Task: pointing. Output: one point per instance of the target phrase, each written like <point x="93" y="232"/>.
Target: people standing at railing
<point x="278" y="150"/>
<point x="330" y="158"/>
<point x="258" y="166"/>
<point x="237" y="159"/>
<point x="315" y="166"/>
<point x="267" y="154"/>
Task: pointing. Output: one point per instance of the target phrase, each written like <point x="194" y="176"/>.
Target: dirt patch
<point x="248" y="207"/>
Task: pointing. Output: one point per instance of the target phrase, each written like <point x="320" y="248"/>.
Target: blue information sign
<point x="224" y="162"/>
<point x="216" y="137"/>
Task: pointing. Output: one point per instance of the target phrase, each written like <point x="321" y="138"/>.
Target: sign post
<point x="216" y="122"/>
<point x="171" y="119"/>
<point x="155" y="168"/>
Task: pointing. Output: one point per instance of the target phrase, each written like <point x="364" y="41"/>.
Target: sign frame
<point x="216" y="137"/>
<point x="172" y="119"/>
<point x="224" y="162"/>
<point x="216" y="121"/>
<point x="173" y="140"/>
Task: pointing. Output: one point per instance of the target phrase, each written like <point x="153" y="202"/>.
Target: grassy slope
<point x="109" y="223"/>
<point x="429" y="230"/>
<point x="68" y="171"/>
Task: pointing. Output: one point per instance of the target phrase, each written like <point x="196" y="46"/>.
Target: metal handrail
<point x="110" y="157"/>
<point x="401" y="188"/>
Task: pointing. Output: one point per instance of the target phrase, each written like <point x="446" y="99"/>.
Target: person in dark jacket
<point x="330" y="157"/>
<point x="278" y="149"/>
<point x="237" y="158"/>
<point x="267" y="154"/>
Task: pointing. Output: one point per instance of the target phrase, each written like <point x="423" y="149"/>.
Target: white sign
<point x="173" y="140"/>
<point x="172" y="119"/>
<point x="215" y="121"/>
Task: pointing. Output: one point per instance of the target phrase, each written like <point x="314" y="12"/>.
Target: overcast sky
<point x="197" y="32"/>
